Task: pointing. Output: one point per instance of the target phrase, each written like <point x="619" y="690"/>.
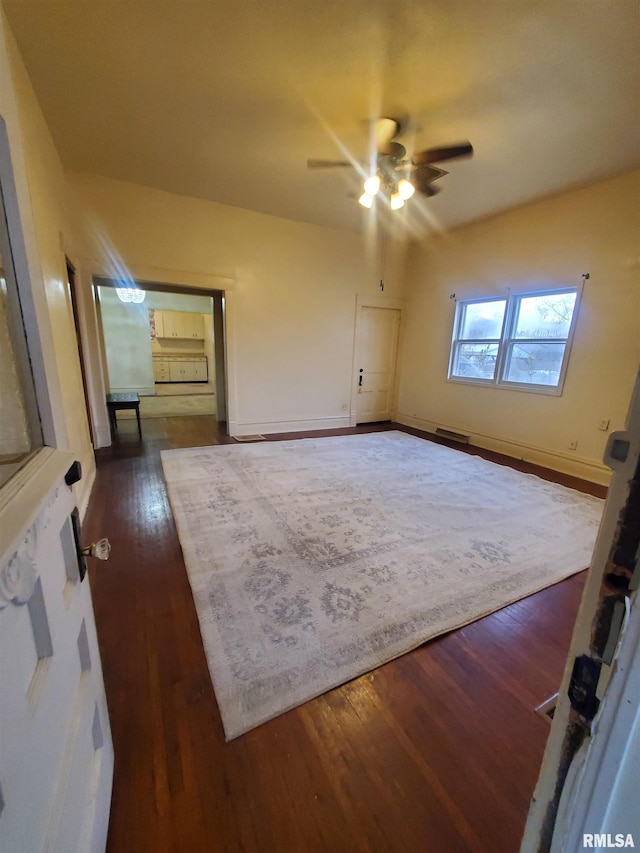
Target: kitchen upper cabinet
<point x="179" y="325"/>
<point x="158" y="319"/>
<point x="194" y="326"/>
<point x="172" y="324"/>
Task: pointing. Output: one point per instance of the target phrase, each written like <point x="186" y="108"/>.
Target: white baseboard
<point x="301" y="425"/>
<point x="102" y="437"/>
<point x="577" y="466"/>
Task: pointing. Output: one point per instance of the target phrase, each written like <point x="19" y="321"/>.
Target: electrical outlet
<point x="604" y="424"/>
<point x="344" y="407"/>
<point x="573" y="445"/>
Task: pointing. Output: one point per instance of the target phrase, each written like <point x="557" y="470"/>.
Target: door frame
<point x="152" y="278"/>
<point x="577" y="782"/>
<point x="73" y="295"/>
<point x="375" y="301"/>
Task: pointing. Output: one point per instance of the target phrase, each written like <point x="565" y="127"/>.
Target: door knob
<point x="100" y="549"/>
<point x="360" y="379"/>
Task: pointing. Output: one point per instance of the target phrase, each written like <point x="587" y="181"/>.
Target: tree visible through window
<point x="522" y="341"/>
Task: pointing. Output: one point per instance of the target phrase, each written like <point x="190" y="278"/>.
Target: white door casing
<point x="378" y="332"/>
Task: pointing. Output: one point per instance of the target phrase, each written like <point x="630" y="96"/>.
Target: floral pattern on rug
<point x="314" y="561"/>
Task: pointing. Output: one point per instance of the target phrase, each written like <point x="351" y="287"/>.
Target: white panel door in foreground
<point x="56" y="756"/>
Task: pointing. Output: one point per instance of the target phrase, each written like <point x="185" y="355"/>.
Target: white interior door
<point x="377" y="349"/>
<point x="56" y="756"/>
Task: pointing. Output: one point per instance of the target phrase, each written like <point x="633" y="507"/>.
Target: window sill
<point x="11" y="464"/>
<point x="511" y="386"/>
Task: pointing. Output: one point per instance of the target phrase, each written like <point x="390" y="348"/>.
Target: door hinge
<point x="617" y="450"/>
<point x="582" y="687"/>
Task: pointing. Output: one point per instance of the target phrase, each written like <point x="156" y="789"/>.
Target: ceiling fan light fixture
<point x="393" y="173"/>
<point x="405" y="189"/>
<point x="131" y="294"/>
<point x="372" y="185"/>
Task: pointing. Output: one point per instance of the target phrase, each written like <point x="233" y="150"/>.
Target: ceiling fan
<point x="395" y="173"/>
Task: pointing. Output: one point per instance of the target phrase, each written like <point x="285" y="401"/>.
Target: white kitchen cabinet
<point x="177" y="372"/>
<point x="193" y="326"/>
<point x="200" y="370"/>
<point x="180" y="368"/>
<point x="159" y="323"/>
<point x="172" y="325"/>
<point x="161" y="370"/>
<point x="181" y="325"/>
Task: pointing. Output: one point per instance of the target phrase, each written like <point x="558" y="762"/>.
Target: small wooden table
<point x="122" y="401"/>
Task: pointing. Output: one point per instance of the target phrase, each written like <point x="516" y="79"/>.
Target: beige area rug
<point x="314" y="561"/>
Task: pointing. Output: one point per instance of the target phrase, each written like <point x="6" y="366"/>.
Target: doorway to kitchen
<point x="166" y="344"/>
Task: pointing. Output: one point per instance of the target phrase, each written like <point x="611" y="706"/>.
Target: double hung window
<point x="520" y="341"/>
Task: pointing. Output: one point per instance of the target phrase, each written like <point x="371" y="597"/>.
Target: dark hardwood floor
<point x="437" y="751"/>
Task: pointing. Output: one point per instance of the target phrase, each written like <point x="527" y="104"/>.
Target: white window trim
<point x="504" y="342"/>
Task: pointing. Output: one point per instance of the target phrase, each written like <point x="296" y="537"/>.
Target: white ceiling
<point x="227" y="100"/>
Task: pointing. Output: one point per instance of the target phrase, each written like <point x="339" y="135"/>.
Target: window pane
<point x="19" y="423"/>
<point x="546" y="316"/>
<point x="475" y="361"/>
<point x="482" y="319"/>
<point x="535" y="364"/>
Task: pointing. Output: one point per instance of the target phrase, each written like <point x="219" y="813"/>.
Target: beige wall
<point x="291" y="307"/>
<point x="594" y="230"/>
<point x="47" y="192"/>
<point x="127" y="342"/>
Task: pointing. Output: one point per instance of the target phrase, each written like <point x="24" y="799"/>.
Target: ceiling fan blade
<point x="426" y="174"/>
<point x="438" y="155"/>
<point x="428" y="189"/>
<point x="423" y="178"/>
<point x="327" y="164"/>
